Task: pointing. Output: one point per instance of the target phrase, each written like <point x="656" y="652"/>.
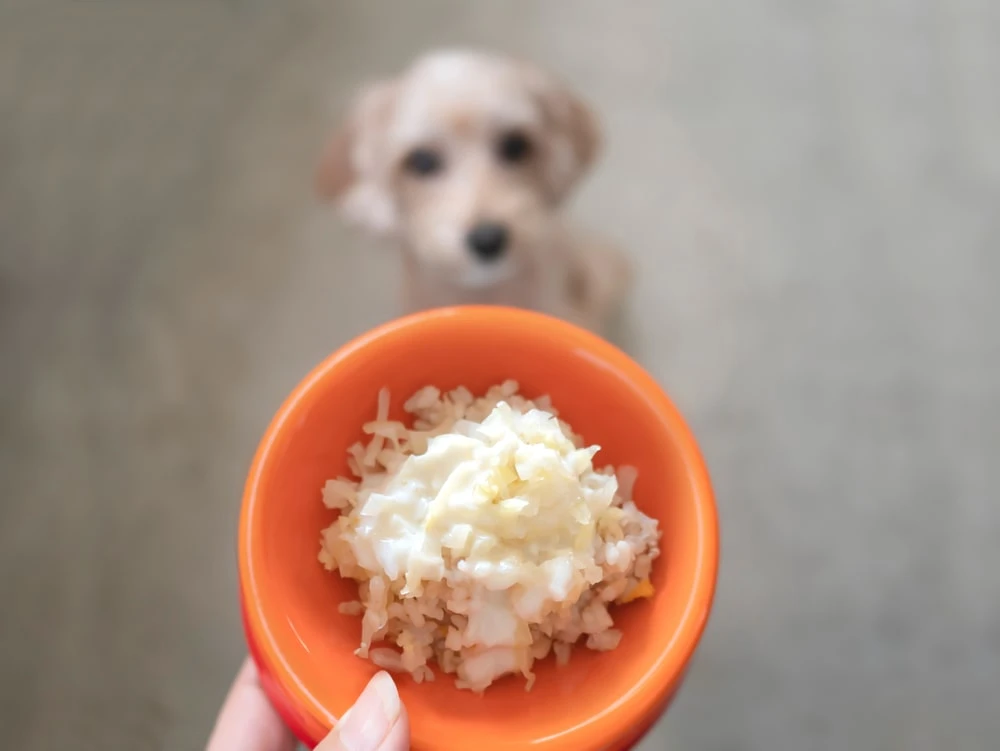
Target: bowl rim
<point x="299" y="707"/>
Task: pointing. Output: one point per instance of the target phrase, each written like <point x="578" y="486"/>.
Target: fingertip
<point x="398" y="738"/>
<point x="376" y="722"/>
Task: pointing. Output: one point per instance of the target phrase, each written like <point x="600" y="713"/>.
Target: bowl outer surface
<point x="305" y="647"/>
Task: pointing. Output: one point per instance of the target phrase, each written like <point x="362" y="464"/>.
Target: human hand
<point x="248" y="722"/>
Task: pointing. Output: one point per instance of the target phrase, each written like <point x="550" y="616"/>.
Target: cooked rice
<point x="414" y="629"/>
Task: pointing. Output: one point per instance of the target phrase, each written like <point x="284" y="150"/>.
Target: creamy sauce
<point x="508" y="508"/>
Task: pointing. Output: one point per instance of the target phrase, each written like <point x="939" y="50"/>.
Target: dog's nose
<point x="487" y="240"/>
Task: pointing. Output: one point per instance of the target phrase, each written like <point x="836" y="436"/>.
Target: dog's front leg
<point x="599" y="278"/>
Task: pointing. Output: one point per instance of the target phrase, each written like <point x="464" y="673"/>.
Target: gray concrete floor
<point x="812" y="192"/>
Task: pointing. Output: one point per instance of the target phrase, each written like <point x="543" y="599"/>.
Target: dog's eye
<point x="423" y="162"/>
<point x="514" y="147"/>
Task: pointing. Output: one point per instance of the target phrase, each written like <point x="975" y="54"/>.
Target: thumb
<point x="376" y="722"/>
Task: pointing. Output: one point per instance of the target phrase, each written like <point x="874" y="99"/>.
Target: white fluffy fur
<point x="460" y="103"/>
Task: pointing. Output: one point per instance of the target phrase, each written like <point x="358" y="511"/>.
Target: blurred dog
<point x="465" y="159"/>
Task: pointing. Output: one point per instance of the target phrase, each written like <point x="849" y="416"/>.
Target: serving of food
<point x="483" y="538"/>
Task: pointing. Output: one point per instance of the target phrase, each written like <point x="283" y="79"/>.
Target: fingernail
<point x="367" y="723"/>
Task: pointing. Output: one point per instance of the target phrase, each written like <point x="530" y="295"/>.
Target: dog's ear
<point x="354" y="171"/>
<point x="574" y="133"/>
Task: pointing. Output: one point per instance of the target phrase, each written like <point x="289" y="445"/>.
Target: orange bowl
<point x="304" y="647"/>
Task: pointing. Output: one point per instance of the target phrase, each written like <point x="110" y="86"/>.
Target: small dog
<point x="465" y="159"/>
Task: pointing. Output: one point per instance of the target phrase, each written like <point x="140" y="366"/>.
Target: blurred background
<point x="811" y="190"/>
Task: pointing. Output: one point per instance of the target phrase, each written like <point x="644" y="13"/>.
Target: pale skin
<point x="248" y="722"/>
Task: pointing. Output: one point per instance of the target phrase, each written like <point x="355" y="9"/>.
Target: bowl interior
<point x="610" y="406"/>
